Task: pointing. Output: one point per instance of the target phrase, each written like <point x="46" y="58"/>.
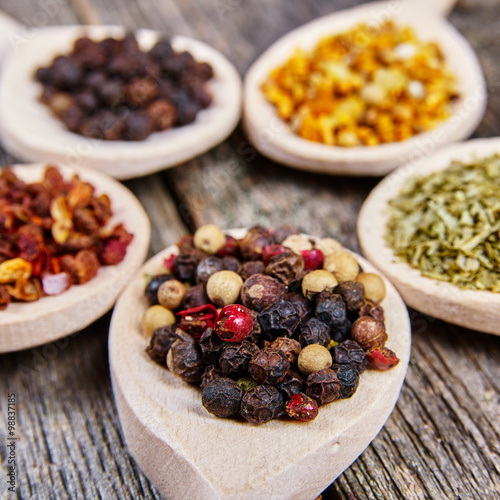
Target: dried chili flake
<point x="197" y="319"/>
<point x="53" y="234"/>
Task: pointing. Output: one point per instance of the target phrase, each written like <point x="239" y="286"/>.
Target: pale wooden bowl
<point x="29" y="130"/>
<point x="28" y="324"/>
<point x="273" y="137"/>
<point x="477" y="310"/>
<point x="188" y="453"/>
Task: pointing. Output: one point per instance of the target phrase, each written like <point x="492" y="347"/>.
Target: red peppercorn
<point x="381" y="358"/>
<point x="302" y="407"/>
<point x="169" y="262"/>
<point x="313" y="259"/>
<point x="234" y="323"/>
<point x="270" y="251"/>
<point x="230" y="248"/>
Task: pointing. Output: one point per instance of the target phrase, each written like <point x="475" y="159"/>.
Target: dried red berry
<point x="230" y="248"/>
<point x="234" y="323"/>
<point x="381" y="358"/>
<point x="113" y="253"/>
<point x="313" y="259"/>
<point x="169" y="262"/>
<point x="302" y="407"/>
<point x="270" y="251"/>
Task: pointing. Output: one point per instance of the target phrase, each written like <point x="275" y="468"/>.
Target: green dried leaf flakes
<point x="447" y="224"/>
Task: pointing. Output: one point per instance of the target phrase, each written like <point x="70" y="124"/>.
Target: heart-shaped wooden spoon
<point x="30" y="132"/>
<point x="273" y="137"/>
<point x="189" y="453"/>
<point x="477" y="310"/>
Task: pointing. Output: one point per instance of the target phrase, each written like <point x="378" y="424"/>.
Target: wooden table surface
<point x="443" y="438"/>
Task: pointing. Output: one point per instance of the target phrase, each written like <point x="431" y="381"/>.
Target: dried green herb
<point x="447" y="224"/>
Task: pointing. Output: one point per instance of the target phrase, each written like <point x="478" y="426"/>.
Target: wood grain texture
<point x="443" y="439"/>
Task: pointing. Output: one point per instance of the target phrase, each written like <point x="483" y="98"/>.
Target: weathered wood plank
<point x="443" y="439"/>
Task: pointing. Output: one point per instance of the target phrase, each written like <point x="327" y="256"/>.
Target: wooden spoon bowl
<point x="28" y="324"/>
<point x="274" y="138"/>
<point x="477" y="310"/>
<point x="188" y="453"/>
<point x="30" y="132"/>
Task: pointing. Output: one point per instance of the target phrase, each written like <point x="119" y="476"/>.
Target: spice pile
<point x="53" y="234"/>
<point x="297" y="324"/>
<point x="112" y="90"/>
<point x="447" y="224"/>
<point x="363" y="87"/>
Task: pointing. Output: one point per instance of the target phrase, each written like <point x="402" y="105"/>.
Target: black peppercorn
<point x="222" y="397"/>
<point x="349" y="353"/>
<point x="342" y="332"/>
<point x="283" y="232"/>
<point x="279" y="320"/>
<point x="304" y="307"/>
<point x="287" y="267"/>
<point x="211" y="345"/>
<point x="314" y="331"/>
<point x="184" y="359"/>
<point x="250" y="268"/>
<point x="235" y="358"/>
<point x="289" y="347"/>
<point x="349" y="380"/>
<point x="369" y="308"/>
<point x="331" y="309"/>
<point x="207" y="267"/>
<point x="160" y="344"/>
<point x="260" y="291"/>
<point x="196" y="296"/>
<point x="153" y="285"/>
<point x="253" y="243"/>
<point x="292" y="383"/>
<point x="323" y="386"/>
<point x="231" y="263"/>
<point x="138" y="125"/>
<point x="261" y="404"/>
<point x="352" y="293"/>
<point x="186" y="262"/>
<point x="269" y="366"/>
<point x="211" y="373"/>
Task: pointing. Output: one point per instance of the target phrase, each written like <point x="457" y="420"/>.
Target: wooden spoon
<point x="8" y="28"/>
<point x="273" y="138"/>
<point x="477" y="310"/>
<point x="28" y="324"/>
<point x="188" y="453"/>
<point x="30" y="132"/>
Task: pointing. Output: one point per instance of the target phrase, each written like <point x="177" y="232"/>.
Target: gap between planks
<point x="87" y="11"/>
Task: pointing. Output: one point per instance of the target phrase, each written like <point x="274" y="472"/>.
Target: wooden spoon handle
<point x="444" y="7"/>
<point x="8" y="28"/>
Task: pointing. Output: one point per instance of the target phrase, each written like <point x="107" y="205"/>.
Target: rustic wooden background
<point x="442" y="440"/>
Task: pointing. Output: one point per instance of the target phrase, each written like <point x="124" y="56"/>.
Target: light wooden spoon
<point x="28" y="324"/>
<point x="477" y="310"/>
<point x="188" y="453"/>
<point x="273" y="138"/>
<point x="8" y="28"/>
<point x="30" y="132"/>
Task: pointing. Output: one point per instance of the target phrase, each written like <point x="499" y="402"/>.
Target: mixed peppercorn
<point x="53" y="234"/>
<point x="366" y="86"/>
<point x="113" y="90"/>
<point x="295" y="327"/>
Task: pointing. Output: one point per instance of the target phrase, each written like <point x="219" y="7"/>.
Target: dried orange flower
<point x="363" y="87"/>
